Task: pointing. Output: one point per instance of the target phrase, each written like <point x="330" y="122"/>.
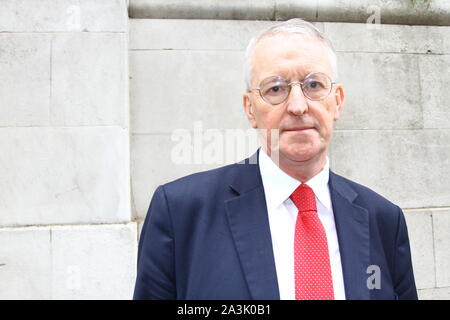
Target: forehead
<point x="290" y="56"/>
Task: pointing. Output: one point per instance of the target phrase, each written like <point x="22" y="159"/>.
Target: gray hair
<point x="293" y="26"/>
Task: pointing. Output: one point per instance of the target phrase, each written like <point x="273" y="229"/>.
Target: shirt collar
<point x="278" y="185"/>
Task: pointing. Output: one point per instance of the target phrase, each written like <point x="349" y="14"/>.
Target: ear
<point x="339" y="101"/>
<point x="249" y="109"/>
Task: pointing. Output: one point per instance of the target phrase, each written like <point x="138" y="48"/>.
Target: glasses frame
<point x="301" y="83"/>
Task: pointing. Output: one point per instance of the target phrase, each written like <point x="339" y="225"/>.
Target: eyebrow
<point x="289" y="75"/>
<point x="289" y="78"/>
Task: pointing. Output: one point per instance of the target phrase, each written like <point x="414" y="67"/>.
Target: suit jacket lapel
<point x="249" y="225"/>
<point x="352" y="225"/>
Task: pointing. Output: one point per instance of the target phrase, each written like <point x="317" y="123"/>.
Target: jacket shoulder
<point x="201" y="183"/>
<point x="365" y="196"/>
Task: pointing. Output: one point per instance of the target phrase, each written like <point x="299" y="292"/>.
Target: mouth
<point x="299" y="129"/>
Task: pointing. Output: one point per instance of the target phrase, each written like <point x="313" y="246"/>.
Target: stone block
<point x="441" y="224"/>
<point x="64" y="175"/>
<point x="388" y="38"/>
<point x="346" y="11"/>
<point x="171" y="89"/>
<point x="63" y="16"/>
<point x="420" y="232"/>
<point x="104" y="15"/>
<point x="68" y="262"/>
<point x="209" y="34"/>
<point x="191" y="9"/>
<point x="25" y="79"/>
<point x="288" y="9"/>
<point x="434" y="93"/>
<point x="25" y="263"/>
<point x="169" y="34"/>
<point x="329" y="10"/>
<point x="94" y="262"/>
<point x="391" y="12"/>
<point x="382" y="91"/>
<point x="435" y="12"/>
<point x="152" y="165"/>
<point x="409" y="167"/>
<point x="434" y="294"/>
<point x="89" y="79"/>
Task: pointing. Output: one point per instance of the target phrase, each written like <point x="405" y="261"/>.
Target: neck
<point x="302" y="170"/>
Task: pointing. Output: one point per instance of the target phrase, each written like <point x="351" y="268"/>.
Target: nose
<point x="296" y="102"/>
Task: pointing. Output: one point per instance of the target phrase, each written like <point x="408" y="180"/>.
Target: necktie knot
<point x="304" y="198"/>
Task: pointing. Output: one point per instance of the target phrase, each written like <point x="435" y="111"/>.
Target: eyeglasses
<point x="275" y="90"/>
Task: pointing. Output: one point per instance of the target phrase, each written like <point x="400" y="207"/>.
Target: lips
<point x="298" y="129"/>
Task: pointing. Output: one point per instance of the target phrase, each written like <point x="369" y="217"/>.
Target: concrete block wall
<point x="393" y="136"/>
<point x="66" y="228"/>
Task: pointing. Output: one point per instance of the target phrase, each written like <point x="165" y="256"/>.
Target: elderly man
<point x="286" y="227"/>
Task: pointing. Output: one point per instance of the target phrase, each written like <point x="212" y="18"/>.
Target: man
<point x="286" y="227"/>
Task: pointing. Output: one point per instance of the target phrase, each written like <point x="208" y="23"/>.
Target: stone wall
<point x="66" y="230"/>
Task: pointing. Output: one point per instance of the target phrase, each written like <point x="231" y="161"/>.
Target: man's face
<point x="305" y="126"/>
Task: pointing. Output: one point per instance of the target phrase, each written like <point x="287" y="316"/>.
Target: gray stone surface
<point x="25" y="79"/>
<point x="435" y="12"/>
<point x="191" y="9"/>
<point x="154" y="160"/>
<point x="102" y="264"/>
<point x="64" y="119"/>
<point x="193" y="34"/>
<point x="64" y="175"/>
<point x="382" y="91"/>
<point x="184" y="34"/>
<point x="434" y="294"/>
<point x="171" y="89"/>
<point x="420" y="231"/>
<point x="68" y="262"/>
<point x="287" y="9"/>
<point x="25" y="263"/>
<point x="409" y="167"/>
<point x="441" y="223"/>
<point x="391" y="12"/>
<point x="360" y="37"/>
<point x="89" y="79"/>
<point x="63" y="15"/>
<point x="434" y="90"/>
<point x="152" y="165"/>
<point x="350" y="11"/>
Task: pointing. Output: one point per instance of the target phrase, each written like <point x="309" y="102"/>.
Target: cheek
<point x="269" y="118"/>
<point x="324" y="116"/>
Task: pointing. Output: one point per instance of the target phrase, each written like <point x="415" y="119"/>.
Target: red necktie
<point x="313" y="280"/>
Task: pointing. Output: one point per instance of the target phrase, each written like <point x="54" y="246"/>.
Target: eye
<point x="315" y="84"/>
<point x="275" y="89"/>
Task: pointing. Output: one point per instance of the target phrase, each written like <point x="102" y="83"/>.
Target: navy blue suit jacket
<point x="207" y="236"/>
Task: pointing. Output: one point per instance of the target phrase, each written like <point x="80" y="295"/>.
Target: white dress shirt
<point x="278" y="186"/>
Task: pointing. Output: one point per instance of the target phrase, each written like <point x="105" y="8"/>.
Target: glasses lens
<point x="317" y="86"/>
<point x="274" y="90"/>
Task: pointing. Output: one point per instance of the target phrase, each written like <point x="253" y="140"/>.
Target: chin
<point x="300" y="152"/>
